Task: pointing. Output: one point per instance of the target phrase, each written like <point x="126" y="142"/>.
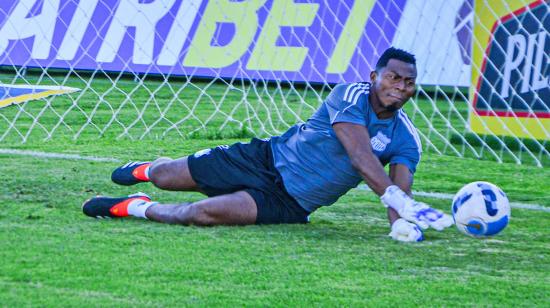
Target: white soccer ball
<point x="480" y="209"/>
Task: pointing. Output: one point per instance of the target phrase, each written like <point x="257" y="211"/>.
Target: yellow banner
<point x="510" y="91"/>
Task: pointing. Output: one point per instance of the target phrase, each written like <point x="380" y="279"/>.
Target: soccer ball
<point x="480" y="209"/>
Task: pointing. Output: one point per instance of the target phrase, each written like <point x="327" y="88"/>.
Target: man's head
<point x="393" y="81"/>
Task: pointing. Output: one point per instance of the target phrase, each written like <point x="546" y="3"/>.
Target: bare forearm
<point x="378" y="183"/>
<point x="372" y="172"/>
<point x="355" y="138"/>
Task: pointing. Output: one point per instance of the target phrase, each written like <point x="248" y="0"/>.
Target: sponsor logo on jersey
<point x="379" y="142"/>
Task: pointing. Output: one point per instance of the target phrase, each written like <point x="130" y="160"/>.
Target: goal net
<point x="231" y="69"/>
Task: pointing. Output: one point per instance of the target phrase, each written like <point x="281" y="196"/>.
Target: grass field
<point x="55" y="256"/>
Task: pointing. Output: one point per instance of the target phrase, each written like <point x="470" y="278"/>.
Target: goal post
<point x="224" y="68"/>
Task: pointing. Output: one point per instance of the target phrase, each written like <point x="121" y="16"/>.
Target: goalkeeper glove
<point x="404" y="231"/>
<point x="416" y="212"/>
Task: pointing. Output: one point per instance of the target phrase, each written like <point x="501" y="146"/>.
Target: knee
<point x="159" y="173"/>
<point x="194" y="214"/>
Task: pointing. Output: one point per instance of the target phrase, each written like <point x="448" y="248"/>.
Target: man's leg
<point x="164" y="173"/>
<point x="237" y="208"/>
<point x="172" y="174"/>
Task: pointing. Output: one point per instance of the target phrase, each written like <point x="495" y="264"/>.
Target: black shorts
<point x="248" y="167"/>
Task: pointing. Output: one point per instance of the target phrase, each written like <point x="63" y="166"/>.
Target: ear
<point x="373" y="76"/>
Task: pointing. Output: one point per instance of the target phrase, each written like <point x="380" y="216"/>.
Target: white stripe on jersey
<point x="352" y="94"/>
<point x="346" y="95"/>
<point x="357" y="94"/>
<point x="354" y="91"/>
<point x="410" y="127"/>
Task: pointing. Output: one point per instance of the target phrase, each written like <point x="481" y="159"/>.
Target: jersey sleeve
<point x="409" y="156"/>
<point x="344" y="104"/>
<point x="410" y="151"/>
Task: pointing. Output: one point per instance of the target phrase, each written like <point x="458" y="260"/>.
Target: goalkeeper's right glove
<point x="416" y="212"/>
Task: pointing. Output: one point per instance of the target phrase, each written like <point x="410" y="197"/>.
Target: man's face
<point x="394" y="84"/>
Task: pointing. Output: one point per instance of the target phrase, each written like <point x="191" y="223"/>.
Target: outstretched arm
<point x="356" y="140"/>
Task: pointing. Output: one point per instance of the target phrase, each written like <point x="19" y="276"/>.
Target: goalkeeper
<point x="358" y="129"/>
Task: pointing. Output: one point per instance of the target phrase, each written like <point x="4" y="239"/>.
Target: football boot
<point x="109" y="207"/>
<point x="132" y="173"/>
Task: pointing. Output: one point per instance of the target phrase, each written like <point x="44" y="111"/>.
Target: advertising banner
<point x="312" y="41"/>
<point x="439" y="34"/>
<point x="511" y="92"/>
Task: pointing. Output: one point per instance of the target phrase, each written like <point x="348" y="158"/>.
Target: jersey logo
<point x="379" y="142"/>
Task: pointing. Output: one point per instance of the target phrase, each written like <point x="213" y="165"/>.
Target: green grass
<point x="55" y="256"/>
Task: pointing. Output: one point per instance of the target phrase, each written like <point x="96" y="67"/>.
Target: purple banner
<point x="294" y="40"/>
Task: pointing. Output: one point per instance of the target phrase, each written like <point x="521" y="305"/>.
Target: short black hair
<point x="394" y="53"/>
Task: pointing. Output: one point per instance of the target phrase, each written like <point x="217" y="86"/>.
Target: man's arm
<point x="356" y="140"/>
<point x="403" y="178"/>
<point x="353" y="137"/>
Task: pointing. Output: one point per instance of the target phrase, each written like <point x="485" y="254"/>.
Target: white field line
<point x="435" y="195"/>
<point x="57" y="155"/>
<point x="527" y="206"/>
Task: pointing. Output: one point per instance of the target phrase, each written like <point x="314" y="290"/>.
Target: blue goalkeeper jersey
<point x="314" y="165"/>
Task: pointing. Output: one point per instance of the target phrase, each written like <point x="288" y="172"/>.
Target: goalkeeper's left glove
<point x="404" y="231"/>
<point x="416" y="212"/>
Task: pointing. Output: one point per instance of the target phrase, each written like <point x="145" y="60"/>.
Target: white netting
<point x="221" y="68"/>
